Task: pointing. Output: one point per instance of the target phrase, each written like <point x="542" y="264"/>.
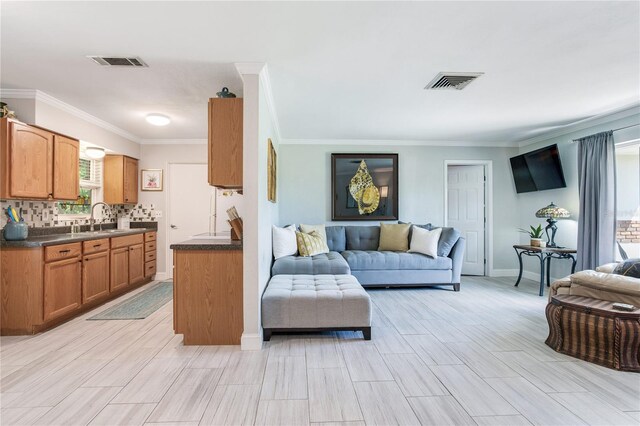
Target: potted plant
<point x="535" y="234"/>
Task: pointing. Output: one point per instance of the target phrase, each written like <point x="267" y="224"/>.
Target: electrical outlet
<point x="158" y="213"/>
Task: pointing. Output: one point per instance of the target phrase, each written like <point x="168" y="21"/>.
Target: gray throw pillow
<point x="448" y="239"/>
<point x="629" y="268"/>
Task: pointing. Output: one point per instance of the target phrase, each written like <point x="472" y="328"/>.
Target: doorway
<point x="467" y="207"/>
<point x="189" y="205"/>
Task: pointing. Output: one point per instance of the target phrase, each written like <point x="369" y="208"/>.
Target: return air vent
<point x="118" y="61"/>
<point x="452" y="80"/>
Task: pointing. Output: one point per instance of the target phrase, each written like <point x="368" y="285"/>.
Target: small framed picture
<point x="151" y="179"/>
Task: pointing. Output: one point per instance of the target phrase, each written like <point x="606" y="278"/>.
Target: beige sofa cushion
<point x="610" y="287"/>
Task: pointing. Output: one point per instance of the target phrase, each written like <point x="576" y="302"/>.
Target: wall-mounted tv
<point x="538" y="170"/>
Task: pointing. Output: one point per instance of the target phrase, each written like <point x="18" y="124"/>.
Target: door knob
<point x="174" y="227"/>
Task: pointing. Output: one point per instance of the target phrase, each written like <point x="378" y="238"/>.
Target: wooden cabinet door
<point x="31" y="154"/>
<point x="225" y="142"/>
<point x="130" y="180"/>
<point x="136" y="263"/>
<point x="66" y="157"/>
<point x="95" y="276"/>
<point x="119" y="268"/>
<point x="62" y="287"/>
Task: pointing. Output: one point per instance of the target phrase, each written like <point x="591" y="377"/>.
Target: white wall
<point x="159" y="157"/>
<point x="305" y="186"/>
<point x="529" y="203"/>
<point x="628" y="179"/>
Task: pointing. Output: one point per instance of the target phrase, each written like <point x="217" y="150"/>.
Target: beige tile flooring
<point x="437" y="357"/>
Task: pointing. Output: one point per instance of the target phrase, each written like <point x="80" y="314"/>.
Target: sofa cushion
<point x="311" y="244"/>
<point x="363" y="237"/>
<point x="315" y="301"/>
<point x="284" y="241"/>
<point x="321" y="231"/>
<point x="394" y="237"/>
<point x="328" y="263"/>
<point x="425" y="241"/>
<point x="448" y="239"/>
<point x="628" y="268"/>
<point x="610" y="287"/>
<point x="390" y="260"/>
<point x="336" y="238"/>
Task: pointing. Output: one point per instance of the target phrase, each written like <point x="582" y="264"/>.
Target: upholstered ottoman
<point x="303" y="303"/>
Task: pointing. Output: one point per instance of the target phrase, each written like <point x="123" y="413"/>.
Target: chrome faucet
<point x="92" y="219"/>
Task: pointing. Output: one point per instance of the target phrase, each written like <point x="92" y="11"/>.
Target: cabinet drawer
<point x="149" y="268"/>
<point x="62" y="251"/>
<point x="129" y="240"/>
<point x="150" y="246"/>
<point x="149" y="256"/>
<point x="95" y="246"/>
<point x="149" y="236"/>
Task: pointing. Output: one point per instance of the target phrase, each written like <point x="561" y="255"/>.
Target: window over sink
<point x="90" y="171"/>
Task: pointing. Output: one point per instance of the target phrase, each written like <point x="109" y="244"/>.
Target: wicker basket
<point x="590" y="329"/>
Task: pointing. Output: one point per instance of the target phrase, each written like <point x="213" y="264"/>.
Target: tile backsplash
<point x="40" y="214"/>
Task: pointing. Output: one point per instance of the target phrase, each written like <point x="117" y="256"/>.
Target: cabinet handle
<point x="64" y="251"/>
<point x="97" y="245"/>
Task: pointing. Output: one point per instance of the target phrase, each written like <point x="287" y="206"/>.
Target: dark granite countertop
<point x="53" y="239"/>
<point x="208" y="244"/>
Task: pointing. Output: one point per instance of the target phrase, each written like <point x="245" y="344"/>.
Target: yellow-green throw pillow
<point x="394" y="237"/>
<point x="320" y="229"/>
<point x="310" y="244"/>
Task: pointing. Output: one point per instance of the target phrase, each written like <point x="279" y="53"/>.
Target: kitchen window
<point x="90" y="172"/>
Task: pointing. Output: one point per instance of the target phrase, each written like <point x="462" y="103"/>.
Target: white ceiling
<point x="339" y="70"/>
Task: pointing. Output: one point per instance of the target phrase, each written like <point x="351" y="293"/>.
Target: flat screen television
<point x="538" y="170"/>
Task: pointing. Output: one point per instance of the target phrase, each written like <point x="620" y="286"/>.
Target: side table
<point x="544" y="255"/>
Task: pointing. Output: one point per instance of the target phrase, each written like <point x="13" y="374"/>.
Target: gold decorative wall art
<point x="364" y="191"/>
<point x="272" y="171"/>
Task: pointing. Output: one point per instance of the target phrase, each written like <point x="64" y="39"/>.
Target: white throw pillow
<point x="320" y="229"/>
<point x="284" y="241"/>
<point x="424" y="241"/>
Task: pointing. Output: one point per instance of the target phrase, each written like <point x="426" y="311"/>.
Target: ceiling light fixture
<point x="94" y="152"/>
<point x="158" y="119"/>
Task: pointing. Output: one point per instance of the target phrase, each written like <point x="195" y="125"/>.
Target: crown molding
<point x="265" y="80"/>
<point x="173" y="141"/>
<point x="391" y="143"/>
<point x="63" y="106"/>
<point x="595" y="120"/>
<point x="249" y="67"/>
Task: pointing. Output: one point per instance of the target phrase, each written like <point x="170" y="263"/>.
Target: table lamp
<point x="552" y="213"/>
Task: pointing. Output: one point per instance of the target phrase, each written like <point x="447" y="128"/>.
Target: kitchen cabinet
<point x="62" y="287"/>
<point x="136" y="263"/>
<point x="66" y="176"/>
<point x="41" y="287"/>
<point x="119" y="268"/>
<point x="120" y="179"/>
<point x="37" y="163"/>
<point x="225" y="142"/>
<point x="95" y="270"/>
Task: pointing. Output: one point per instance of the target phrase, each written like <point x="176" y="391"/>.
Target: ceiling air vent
<point x="452" y="80"/>
<point x="118" y="61"/>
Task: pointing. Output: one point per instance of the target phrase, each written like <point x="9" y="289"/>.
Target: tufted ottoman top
<point x="315" y="301"/>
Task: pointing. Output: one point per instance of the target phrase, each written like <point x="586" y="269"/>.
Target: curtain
<point x="597" y="189"/>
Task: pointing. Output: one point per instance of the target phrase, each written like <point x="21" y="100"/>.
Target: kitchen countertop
<point x="208" y="244"/>
<point x="50" y="240"/>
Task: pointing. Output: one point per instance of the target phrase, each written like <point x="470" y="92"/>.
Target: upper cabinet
<point x="120" y="179"/>
<point x="37" y="163"/>
<point x="225" y="142"/>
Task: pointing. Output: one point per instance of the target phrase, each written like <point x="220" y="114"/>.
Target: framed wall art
<point x="272" y="172"/>
<point x="151" y="179"/>
<point x="364" y="187"/>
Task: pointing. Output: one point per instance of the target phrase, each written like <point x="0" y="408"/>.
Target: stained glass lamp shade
<point x="552" y="213"/>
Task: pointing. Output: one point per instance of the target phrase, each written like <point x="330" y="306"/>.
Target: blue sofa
<point x="354" y="250"/>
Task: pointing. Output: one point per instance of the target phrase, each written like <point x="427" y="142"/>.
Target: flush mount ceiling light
<point x="94" y="152"/>
<point x="158" y="119"/>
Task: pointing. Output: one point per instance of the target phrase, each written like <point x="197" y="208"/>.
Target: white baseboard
<point x="161" y="276"/>
<point x="251" y="342"/>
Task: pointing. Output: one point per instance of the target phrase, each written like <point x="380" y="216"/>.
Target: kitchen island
<point x="207" y="298"/>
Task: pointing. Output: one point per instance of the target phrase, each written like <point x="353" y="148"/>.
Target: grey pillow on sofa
<point x="628" y="268"/>
<point x="448" y="238"/>
<point x="336" y="238"/>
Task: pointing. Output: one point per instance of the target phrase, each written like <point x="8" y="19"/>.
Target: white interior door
<point x="466" y="212"/>
<point x="190" y="197"/>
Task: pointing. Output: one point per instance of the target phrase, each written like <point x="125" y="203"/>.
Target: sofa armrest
<point x="560" y="286"/>
<point x="457" y="256"/>
<point x="607" y="267"/>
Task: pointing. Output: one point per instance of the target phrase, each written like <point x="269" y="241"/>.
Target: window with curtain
<point x="628" y="199"/>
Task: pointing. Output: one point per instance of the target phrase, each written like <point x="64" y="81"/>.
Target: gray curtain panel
<point x="597" y="188"/>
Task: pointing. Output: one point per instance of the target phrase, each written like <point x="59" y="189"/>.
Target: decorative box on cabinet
<point x="37" y="163"/>
<point x="120" y="179"/>
<point x="225" y="142"/>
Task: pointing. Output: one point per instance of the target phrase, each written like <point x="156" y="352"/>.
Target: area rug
<point x="139" y="306"/>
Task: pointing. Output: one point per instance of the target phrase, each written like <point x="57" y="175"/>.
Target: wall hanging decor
<point x="364" y="187"/>
<point x="272" y="172"/>
<point x="151" y="179"/>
